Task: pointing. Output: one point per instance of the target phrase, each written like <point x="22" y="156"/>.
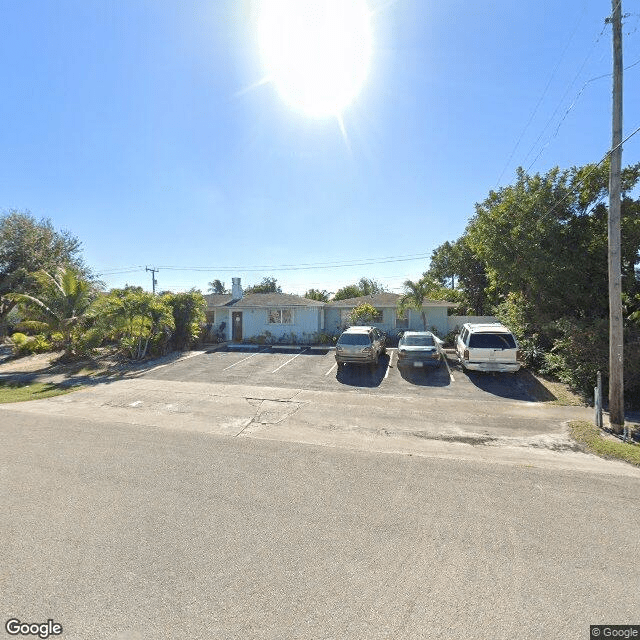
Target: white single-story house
<point x="285" y="317"/>
<point x="337" y="314"/>
<point x="275" y="316"/>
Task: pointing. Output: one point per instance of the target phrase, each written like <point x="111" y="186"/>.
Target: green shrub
<point x="582" y="349"/>
<point x="516" y="314"/>
<point x="18" y="339"/>
<point x="24" y="345"/>
<point x="188" y="311"/>
<point x="363" y="314"/>
<point x="85" y="343"/>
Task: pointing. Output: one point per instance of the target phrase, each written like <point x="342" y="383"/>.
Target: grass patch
<point x="543" y="389"/>
<point x="564" y="396"/>
<point x="19" y="392"/>
<point x="591" y="438"/>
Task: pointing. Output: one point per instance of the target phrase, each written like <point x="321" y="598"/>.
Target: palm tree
<point x="415" y="295"/>
<point x="62" y="302"/>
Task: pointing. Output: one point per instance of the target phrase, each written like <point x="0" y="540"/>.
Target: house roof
<point x="384" y="300"/>
<point x="377" y="300"/>
<point x="218" y="300"/>
<point x="260" y="300"/>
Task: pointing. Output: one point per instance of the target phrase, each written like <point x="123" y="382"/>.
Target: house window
<point x="280" y="316"/>
<point x="402" y="321"/>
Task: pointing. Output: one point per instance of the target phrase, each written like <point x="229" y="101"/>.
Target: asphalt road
<point x="129" y="532"/>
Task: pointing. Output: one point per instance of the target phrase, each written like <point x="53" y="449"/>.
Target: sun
<point x="316" y="52"/>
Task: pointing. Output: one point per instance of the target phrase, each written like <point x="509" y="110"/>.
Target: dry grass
<point x="564" y="396"/>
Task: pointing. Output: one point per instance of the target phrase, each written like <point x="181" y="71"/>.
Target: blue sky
<point x="133" y="125"/>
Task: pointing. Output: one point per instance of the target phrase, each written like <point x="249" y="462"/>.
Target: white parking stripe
<point x="335" y="364"/>
<point x="444" y="357"/>
<point x="390" y="352"/>
<point x="243" y="359"/>
<point x="288" y="361"/>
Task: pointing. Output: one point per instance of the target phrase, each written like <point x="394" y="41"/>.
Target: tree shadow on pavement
<point x="521" y="385"/>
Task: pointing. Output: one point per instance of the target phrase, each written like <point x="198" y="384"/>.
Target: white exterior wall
<point x="255" y="322"/>
<point x="436" y="318"/>
<point x="456" y="322"/>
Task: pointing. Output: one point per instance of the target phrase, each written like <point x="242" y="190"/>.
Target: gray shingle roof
<point x="383" y="300"/>
<point x="217" y="300"/>
<point x="261" y="300"/>
<point x="377" y="300"/>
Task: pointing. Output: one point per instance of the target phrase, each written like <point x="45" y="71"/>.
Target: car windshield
<point x="354" y="339"/>
<point x="418" y="341"/>
<point x="492" y="341"/>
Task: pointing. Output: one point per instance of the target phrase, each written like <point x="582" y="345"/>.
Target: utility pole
<point x="616" y="362"/>
<point x="154" y="282"/>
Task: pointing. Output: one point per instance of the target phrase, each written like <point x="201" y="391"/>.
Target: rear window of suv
<point x="354" y="339"/>
<point x="492" y="341"/>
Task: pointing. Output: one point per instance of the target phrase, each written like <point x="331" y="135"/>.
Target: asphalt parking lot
<point x="316" y="369"/>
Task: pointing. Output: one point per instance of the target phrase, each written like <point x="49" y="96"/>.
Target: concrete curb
<point x="273" y="347"/>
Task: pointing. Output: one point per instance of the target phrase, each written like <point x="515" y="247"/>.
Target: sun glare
<point x="316" y="52"/>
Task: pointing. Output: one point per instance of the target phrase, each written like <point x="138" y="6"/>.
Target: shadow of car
<point x="355" y="375"/>
<point x="521" y="385"/>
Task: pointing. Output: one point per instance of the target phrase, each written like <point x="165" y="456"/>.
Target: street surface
<point x="120" y="531"/>
<point x="264" y="495"/>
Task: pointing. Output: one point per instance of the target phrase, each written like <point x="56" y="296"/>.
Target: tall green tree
<point x="267" y="285"/>
<point x="444" y="265"/>
<point x="217" y="287"/>
<point x="316" y="294"/>
<point x="456" y="262"/>
<point x="350" y="291"/>
<point x="364" y="287"/>
<point x="545" y="238"/>
<point x="61" y="304"/>
<point x="28" y="245"/>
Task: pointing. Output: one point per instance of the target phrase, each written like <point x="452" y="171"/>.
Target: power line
<point x="544" y="93"/>
<point x="606" y="155"/>
<point x="359" y="262"/>
<point x="566" y="93"/>
<point x="120" y="270"/>
<point x="303" y="266"/>
<point x="573" y="104"/>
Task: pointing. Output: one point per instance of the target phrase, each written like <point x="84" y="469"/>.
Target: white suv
<point x="487" y="347"/>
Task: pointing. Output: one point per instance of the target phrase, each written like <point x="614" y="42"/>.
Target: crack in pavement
<point x="268" y="413"/>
